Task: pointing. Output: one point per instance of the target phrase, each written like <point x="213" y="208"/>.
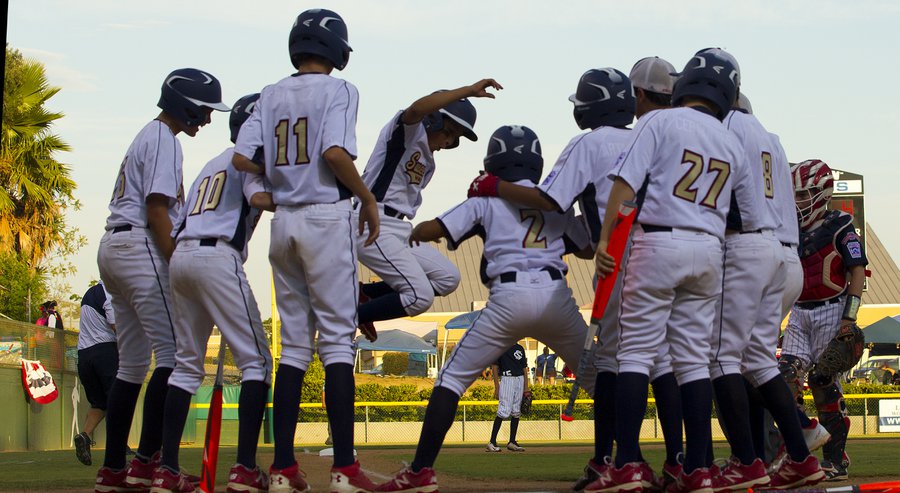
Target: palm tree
<point x="35" y="189"/>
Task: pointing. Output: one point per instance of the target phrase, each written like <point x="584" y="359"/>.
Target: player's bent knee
<point x="759" y="376"/>
<point x="421" y="303"/>
<point x="446" y="284"/>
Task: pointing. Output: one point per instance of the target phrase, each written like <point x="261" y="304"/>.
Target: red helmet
<point x="813" y="177"/>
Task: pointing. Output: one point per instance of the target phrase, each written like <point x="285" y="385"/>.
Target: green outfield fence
<point x="30" y="426"/>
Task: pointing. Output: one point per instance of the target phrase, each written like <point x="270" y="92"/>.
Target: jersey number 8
<point x="281" y="133"/>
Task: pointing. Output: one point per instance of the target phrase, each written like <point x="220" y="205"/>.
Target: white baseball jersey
<point x="580" y="173"/>
<point x="687" y="160"/>
<point x="97" y="317"/>
<point x="521" y="239"/>
<point x="753" y="204"/>
<point x="789" y="227"/>
<point x="218" y="205"/>
<point x="299" y="129"/>
<point x="400" y="167"/>
<point x="151" y="165"/>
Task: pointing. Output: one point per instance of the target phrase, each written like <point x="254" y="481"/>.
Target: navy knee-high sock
<point x="498" y="421"/>
<point x="668" y="406"/>
<point x="251" y="406"/>
<point x="154" y="409"/>
<point x="286" y="409"/>
<point x="631" y="405"/>
<point x="779" y="401"/>
<point x="696" y="408"/>
<point x="339" y="398"/>
<point x="757" y="414"/>
<point x="439" y="417"/>
<point x="604" y="415"/>
<point x="178" y="404"/>
<point x="385" y="307"/>
<point x="123" y="398"/>
<point x="731" y="397"/>
<point x="376" y="289"/>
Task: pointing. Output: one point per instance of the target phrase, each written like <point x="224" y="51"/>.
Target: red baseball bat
<point x="881" y="487"/>
<point x="617" y="241"/>
<point x="213" y="429"/>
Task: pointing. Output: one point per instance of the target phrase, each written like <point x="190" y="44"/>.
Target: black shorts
<point x="97" y="368"/>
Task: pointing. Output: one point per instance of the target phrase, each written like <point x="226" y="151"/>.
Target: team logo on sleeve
<point x="415" y="169"/>
<point x="549" y="178"/>
<point x="855" y="249"/>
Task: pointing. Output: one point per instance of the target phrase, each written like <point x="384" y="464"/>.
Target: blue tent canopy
<point x="396" y="340"/>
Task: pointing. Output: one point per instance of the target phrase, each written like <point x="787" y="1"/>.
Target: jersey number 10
<point x="299" y="133"/>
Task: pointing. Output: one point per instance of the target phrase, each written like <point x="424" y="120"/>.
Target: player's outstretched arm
<point x="341" y="165"/>
<point x="160" y="224"/>
<point x="427" y="105"/>
<point x="427" y="231"/>
<point x="527" y="196"/>
<point x="621" y="191"/>
<point x="242" y="163"/>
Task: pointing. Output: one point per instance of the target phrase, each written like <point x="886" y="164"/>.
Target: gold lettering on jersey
<point x="533" y="237"/>
<point x="767" y="175"/>
<point x="686" y="187"/>
<point x="119" y="191"/>
<point x="415" y="169"/>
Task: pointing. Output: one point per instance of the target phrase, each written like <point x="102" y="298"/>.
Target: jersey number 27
<point x="686" y="187"/>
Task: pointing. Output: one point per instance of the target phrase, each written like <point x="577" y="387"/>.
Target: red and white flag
<point x="38" y="382"/>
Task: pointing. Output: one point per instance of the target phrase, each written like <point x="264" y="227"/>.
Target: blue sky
<point x="819" y="73"/>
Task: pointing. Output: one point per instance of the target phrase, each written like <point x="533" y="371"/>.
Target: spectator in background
<point x="49" y="316"/>
<point x="887" y="377"/>
<point x="546" y="367"/>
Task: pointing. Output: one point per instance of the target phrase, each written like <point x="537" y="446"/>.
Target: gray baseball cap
<point x="653" y="74"/>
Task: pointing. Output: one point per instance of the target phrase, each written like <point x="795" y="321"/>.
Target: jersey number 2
<point x="299" y="132"/>
<point x="533" y="237"/>
<point x="209" y="193"/>
<point x="686" y="187"/>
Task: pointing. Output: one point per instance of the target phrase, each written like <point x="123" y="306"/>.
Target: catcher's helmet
<point x="462" y="112"/>
<point x="240" y="112"/>
<point x="710" y="76"/>
<point x="186" y="91"/>
<point x="813" y="177"/>
<point x="320" y="32"/>
<point x="604" y="97"/>
<point x="514" y="153"/>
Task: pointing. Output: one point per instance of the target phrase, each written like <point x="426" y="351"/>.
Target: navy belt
<point x="755" y="231"/>
<point x="809" y="305"/>
<point x="208" y="241"/>
<point x="555" y="274"/>
<point x="652" y="228"/>
<point x="121" y="229"/>
<point x="390" y="211"/>
<point x="788" y="245"/>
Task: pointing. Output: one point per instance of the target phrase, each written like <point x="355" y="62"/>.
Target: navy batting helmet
<point x="462" y="112"/>
<point x="320" y="32"/>
<point x="711" y="77"/>
<point x="604" y="97"/>
<point x="185" y="93"/>
<point x="240" y="112"/>
<point x="514" y="153"/>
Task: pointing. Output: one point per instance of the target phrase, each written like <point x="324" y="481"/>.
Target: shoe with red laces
<point x="737" y="476"/>
<point x="649" y="482"/>
<point x="629" y="478"/>
<point x="244" y="480"/>
<point x="166" y="481"/>
<point x="407" y="481"/>
<point x="795" y="474"/>
<point x="350" y="479"/>
<point x="670" y="473"/>
<point x="698" y="481"/>
<point x="592" y="471"/>
<point x="815" y="435"/>
<point x="140" y="473"/>
<point x="110" y="481"/>
<point x="288" y="480"/>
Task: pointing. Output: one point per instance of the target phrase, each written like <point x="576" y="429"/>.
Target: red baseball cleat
<point x="166" y="481"/>
<point x="350" y="479"/>
<point x="794" y="474"/>
<point x="737" y="476"/>
<point x="613" y="480"/>
<point x="287" y="480"/>
<point x="244" y="480"/>
<point x="407" y="481"/>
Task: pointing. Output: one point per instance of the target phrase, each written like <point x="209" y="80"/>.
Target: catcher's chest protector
<point x="824" y="274"/>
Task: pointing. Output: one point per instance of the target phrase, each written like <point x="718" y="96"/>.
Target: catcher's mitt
<point x="525" y="407"/>
<point x="842" y="352"/>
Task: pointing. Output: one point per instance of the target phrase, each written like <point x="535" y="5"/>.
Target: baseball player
<point x="133" y="260"/>
<point x="747" y="323"/>
<point x="510" y="383"/>
<point x="209" y="288"/>
<point x="834" y="270"/>
<point x="308" y="124"/>
<point x="604" y="103"/>
<point x="400" y="167"/>
<point x="98" y="362"/>
<point x="528" y="293"/>
<point x="683" y="160"/>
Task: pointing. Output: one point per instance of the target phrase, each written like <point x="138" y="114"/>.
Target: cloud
<point x="59" y="73"/>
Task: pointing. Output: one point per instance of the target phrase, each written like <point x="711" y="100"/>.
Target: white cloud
<point x="59" y="73"/>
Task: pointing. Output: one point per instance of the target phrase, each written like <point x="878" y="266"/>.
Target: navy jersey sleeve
<point x="850" y="247"/>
